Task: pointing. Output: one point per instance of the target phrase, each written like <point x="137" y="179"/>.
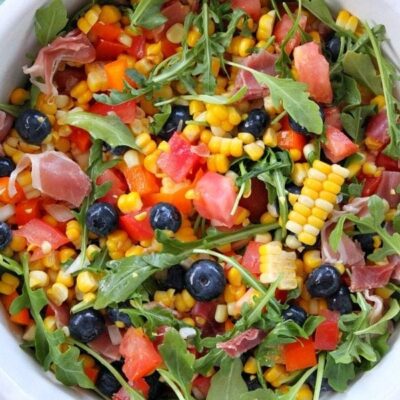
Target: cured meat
<point x="377" y="129"/>
<point x="55" y="175"/>
<point x="243" y="342"/>
<point x="6" y="123"/>
<point x="74" y="47"/>
<point x="59" y="212"/>
<point x="370" y="276"/>
<point x="104" y="346"/>
<point x="390" y="180"/>
<point x="262" y="62"/>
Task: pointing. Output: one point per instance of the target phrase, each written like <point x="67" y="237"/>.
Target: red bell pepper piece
<point x="126" y="111"/>
<point x="388" y="163"/>
<point x="140" y="180"/>
<point x="27" y="210"/>
<point x="91" y="373"/>
<point x="291" y="140"/>
<point x="5" y="197"/>
<point x="327" y="333"/>
<point x="168" y="48"/>
<point x="118" y="185"/>
<point x="107" y="50"/>
<point x="370" y="186"/>
<point x="109" y="32"/>
<point x="138" y="47"/>
<point x="137" y="230"/>
<point x="21" y="318"/>
<point x="299" y="355"/>
<point x="80" y="138"/>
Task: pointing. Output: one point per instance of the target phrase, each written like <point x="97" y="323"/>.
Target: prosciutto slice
<point x="55" y="175"/>
<point x="387" y="187"/>
<point x="59" y="212"/>
<point x="6" y="122"/>
<point x="262" y="62"/>
<point x="370" y="276"/>
<point x="104" y="346"/>
<point x="377" y="129"/>
<point x="74" y="47"/>
<point x="240" y="344"/>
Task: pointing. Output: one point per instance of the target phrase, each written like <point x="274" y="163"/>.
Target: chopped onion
<point x="6" y="212"/>
<point x="115" y="335"/>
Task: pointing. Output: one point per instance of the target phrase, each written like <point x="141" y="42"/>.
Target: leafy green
<point x="355" y="189"/>
<point x="147" y="14"/>
<point x="223" y="100"/>
<point x="320" y="9"/>
<point x="10" y="265"/>
<point x="178" y="360"/>
<point x="259" y="394"/>
<point x="108" y="128"/>
<point x="294" y="97"/>
<point x="338" y="375"/>
<point x="360" y="67"/>
<point x="227" y="383"/>
<point x="354" y="120"/>
<point x="10" y="109"/>
<point x="388" y="78"/>
<point x="345" y="90"/>
<point x="160" y="119"/>
<point x="371" y="223"/>
<point x="49" y="21"/>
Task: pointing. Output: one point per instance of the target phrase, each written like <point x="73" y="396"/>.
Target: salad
<point x="199" y="200"/>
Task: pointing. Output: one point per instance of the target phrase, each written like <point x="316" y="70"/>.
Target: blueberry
<point x="366" y="241"/>
<point x="165" y="216"/>
<point x="205" y="280"/>
<point x="86" y="325"/>
<point x="175" y="122"/>
<point x="341" y="301"/>
<point x="256" y="123"/>
<point x="323" y="281"/>
<point x="6" y="166"/>
<point x="252" y="382"/>
<point x="301" y="129"/>
<point x="325" y="387"/>
<point x="332" y="47"/>
<point x="292" y="188"/>
<point x="119" y="150"/>
<point x="106" y="383"/>
<point x="115" y="315"/>
<point x="5" y="235"/>
<point x="102" y="219"/>
<point x="33" y="126"/>
<point x="158" y="390"/>
<point x="296" y="314"/>
<point x="175" y="278"/>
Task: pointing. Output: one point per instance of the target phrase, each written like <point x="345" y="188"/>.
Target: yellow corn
<point x="175" y="33"/>
<point x="270" y="137"/>
<point x="226" y="146"/>
<point x="110" y="14"/>
<point x="312" y="259"/>
<point x="150" y="161"/>
<point x="250" y="367"/>
<point x="184" y="302"/>
<point x="73" y="232"/>
<point x="193" y="37"/>
<point x="58" y="294"/>
<point x="97" y="80"/>
<point x="18" y="243"/>
<point x="134" y="251"/>
<point x="46" y="104"/>
<point x="276" y="375"/>
<point x="67" y="253"/>
<point x="38" y="279"/>
<point x="275" y="263"/>
<point x="379" y="101"/>
<point x="87" y="21"/>
<point x="131" y="202"/>
<point x="50" y="323"/>
<point x="347" y="21"/>
<point x="241" y="46"/>
<point x="154" y="52"/>
<point x="166" y="298"/>
<point x="196" y="107"/>
<point x="299" y="173"/>
<point x="266" y="25"/>
<point x="218" y="163"/>
<point x="254" y="150"/>
<point x="192" y="132"/>
<point x="19" y="96"/>
<point x="225" y="117"/>
<point x="146" y="144"/>
<point x="234" y="277"/>
<point x="65" y="278"/>
<point x="82" y="93"/>
<point x="369" y="168"/>
<point x="118" y="243"/>
<point x="221" y="313"/>
<point x="86" y="282"/>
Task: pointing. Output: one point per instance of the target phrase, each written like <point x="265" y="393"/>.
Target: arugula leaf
<point x="354" y="120"/>
<point x="223" y="100"/>
<point x="360" y="67"/>
<point x="259" y="394"/>
<point x="345" y="90"/>
<point x="338" y="375"/>
<point x="227" y="383"/>
<point x="321" y="11"/>
<point x="294" y="97"/>
<point x="49" y="21"/>
<point x="178" y="360"/>
<point x="160" y="119"/>
<point x="388" y="79"/>
<point x="108" y="128"/>
<point x="355" y="189"/>
<point x="10" y="109"/>
<point x="147" y="14"/>
<point x="11" y="265"/>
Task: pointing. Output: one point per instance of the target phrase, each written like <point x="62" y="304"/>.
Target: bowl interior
<point x="20" y="377"/>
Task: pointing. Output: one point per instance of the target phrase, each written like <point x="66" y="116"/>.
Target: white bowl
<point x="20" y="377"/>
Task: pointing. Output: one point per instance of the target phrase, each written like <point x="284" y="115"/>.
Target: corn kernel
<point x="19" y="96"/>
<point x="50" y="323"/>
<point x="58" y="294"/>
<point x="250" y="367"/>
<point x="38" y="279"/>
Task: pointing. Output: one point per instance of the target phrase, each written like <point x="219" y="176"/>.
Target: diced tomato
<point x="140" y="180"/>
<point x="4" y="195"/>
<point x="107" y="50"/>
<point x="313" y="69"/>
<point x="91" y="372"/>
<point x="126" y="111"/>
<point x="283" y="27"/>
<point x="332" y="117"/>
<point x="80" y="138"/>
<point x="201" y="385"/>
<point x="142" y="386"/>
<point x="338" y="146"/>
<point x="371" y="186"/>
<point x="177" y="198"/>
<point x="137" y="230"/>
<point x="168" y="48"/>
<point x="180" y="161"/>
<point x="141" y="358"/>
<point x="138" y="47"/>
<point x="257" y="202"/>
<point x="291" y="140"/>
<point x="250" y="7"/>
<point x="281" y="295"/>
<point x="388" y="163"/>
<point x="37" y="232"/>
<point x="27" y="210"/>
<point x="109" y="32"/>
<point x="299" y="355"/>
<point x="327" y="333"/>
<point x="251" y="257"/>
<point x="118" y="185"/>
<point x="215" y="198"/>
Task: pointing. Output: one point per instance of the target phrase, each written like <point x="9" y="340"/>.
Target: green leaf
<point x="11" y="265"/>
<point x="108" y="128"/>
<point x="259" y="394"/>
<point x="320" y="9"/>
<point x="336" y="235"/>
<point x="223" y="100"/>
<point x="294" y="97"/>
<point x="147" y="14"/>
<point x="352" y="95"/>
<point x="355" y="189"/>
<point x="213" y="358"/>
<point x="354" y="120"/>
<point x="360" y="67"/>
<point x="338" y="375"/>
<point x="178" y="360"/>
<point x="160" y="119"/>
<point x="49" y="21"/>
<point x="10" y="109"/>
<point x="227" y="383"/>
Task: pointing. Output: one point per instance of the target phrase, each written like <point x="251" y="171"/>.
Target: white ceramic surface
<point x="20" y="377"/>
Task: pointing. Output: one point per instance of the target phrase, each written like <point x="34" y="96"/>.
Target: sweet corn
<point x="347" y="21"/>
<point x="50" y="323"/>
<point x="87" y="21"/>
<point x="150" y="161"/>
<point x="118" y="243"/>
<point x="134" y="251"/>
<point x="97" y="80"/>
<point x="166" y="298"/>
<point x="254" y="150"/>
<point x="192" y="132"/>
<point x="250" y="367"/>
<point x="146" y="144"/>
<point x="379" y="101"/>
<point x="67" y="253"/>
<point x="86" y="282"/>
<point x="218" y="163"/>
<point x="58" y="293"/>
<point x="18" y="243"/>
<point x="38" y="279"/>
<point x="130" y="202"/>
<point x="276" y="375"/>
<point x="312" y="259"/>
<point x="234" y="277"/>
<point x="193" y="37"/>
<point x="241" y="46"/>
<point x="196" y="107"/>
<point x="82" y="93"/>
<point x="225" y="117"/>
<point x="266" y="25"/>
<point x="299" y="173"/>
<point x="19" y="96"/>
<point x="184" y="302"/>
<point x="65" y="279"/>
<point x="276" y="263"/>
<point x="221" y="313"/>
<point x="226" y="146"/>
<point x="270" y="137"/>
<point x="73" y="232"/>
